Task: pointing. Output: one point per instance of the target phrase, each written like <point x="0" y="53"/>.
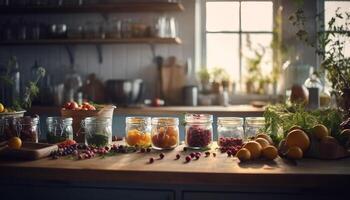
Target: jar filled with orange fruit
<point x="138" y="131"/>
<point x="165" y="133"/>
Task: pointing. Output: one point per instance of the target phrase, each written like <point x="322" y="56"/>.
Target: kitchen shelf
<point x="97" y="8"/>
<point x="175" y="40"/>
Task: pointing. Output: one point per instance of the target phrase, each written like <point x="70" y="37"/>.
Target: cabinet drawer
<point x="65" y="193"/>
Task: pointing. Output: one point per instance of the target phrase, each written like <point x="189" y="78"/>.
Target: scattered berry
<point x="161" y="156"/>
<point x="148" y="150"/>
<point x="151" y="160"/>
<point x="214" y="154"/>
<point x="197" y="157"/>
<point x="178" y="156"/>
<point x="188" y="158"/>
<point x="207" y="153"/>
<point x="193" y="154"/>
<point x="143" y="150"/>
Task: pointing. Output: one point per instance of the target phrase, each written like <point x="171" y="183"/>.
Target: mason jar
<point x="28" y="128"/>
<point x="59" y="129"/>
<point x="230" y="131"/>
<point x="8" y="128"/>
<point x="138" y="131"/>
<point x="165" y="133"/>
<point x="98" y="131"/>
<point x="199" y="130"/>
<point x="253" y="125"/>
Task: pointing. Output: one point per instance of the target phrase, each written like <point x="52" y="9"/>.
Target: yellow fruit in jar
<point x="295" y="153"/>
<point x="133" y="137"/>
<point x="264" y="136"/>
<point x="298" y="138"/>
<point x="263" y="142"/>
<point x="270" y="152"/>
<point x="14" y="143"/>
<point x="254" y="149"/>
<point x="243" y="154"/>
<point x="2" y="108"/>
<point x="172" y="141"/>
<point x="320" y="131"/>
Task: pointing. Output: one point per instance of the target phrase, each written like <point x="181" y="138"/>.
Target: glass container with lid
<point x="253" y="125"/>
<point x="138" y="131"/>
<point x="165" y="133"/>
<point x="199" y="130"/>
<point x="230" y="131"/>
<point x="59" y="129"/>
<point x="98" y="131"/>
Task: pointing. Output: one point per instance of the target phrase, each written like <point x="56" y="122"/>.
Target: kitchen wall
<point x="120" y="61"/>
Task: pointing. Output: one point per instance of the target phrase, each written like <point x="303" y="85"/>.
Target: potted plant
<point x="329" y="46"/>
<point x="204" y="78"/>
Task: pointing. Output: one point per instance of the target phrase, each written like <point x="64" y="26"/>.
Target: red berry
<point x="161" y="156"/>
<point x="207" y="153"/>
<point x="148" y="150"/>
<point x="143" y="150"/>
<point x="188" y="158"/>
<point x="192" y="154"/>
<point x="178" y="156"/>
<point x="197" y="157"/>
<point x="151" y="160"/>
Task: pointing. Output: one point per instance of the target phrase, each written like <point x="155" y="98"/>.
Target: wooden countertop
<point x="220" y="170"/>
<point x="234" y="110"/>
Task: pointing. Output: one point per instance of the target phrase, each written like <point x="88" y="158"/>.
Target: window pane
<point x="257" y="16"/>
<point x="254" y="45"/>
<point x="331" y="7"/>
<point x="223" y="51"/>
<point x="222" y="16"/>
<point x="342" y="39"/>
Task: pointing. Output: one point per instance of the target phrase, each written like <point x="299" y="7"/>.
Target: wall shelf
<point x="97" y="8"/>
<point x="94" y="41"/>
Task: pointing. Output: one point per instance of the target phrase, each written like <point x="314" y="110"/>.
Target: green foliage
<point x="204" y="74"/>
<point x="281" y="117"/>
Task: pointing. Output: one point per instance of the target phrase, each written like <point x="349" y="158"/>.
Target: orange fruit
<point x="265" y="136"/>
<point x="254" y="149"/>
<point x="2" y="108"/>
<point x="320" y="131"/>
<point x="133" y="137"/>
<point x="270" y="152"/>
<point x="172" y="141"/>
<point x="243" y="154"/>
<point x="14" y="143"/>
<point x="298" y="138"/>
<point x="263" y="142"/>
<point x="295" y="153"/>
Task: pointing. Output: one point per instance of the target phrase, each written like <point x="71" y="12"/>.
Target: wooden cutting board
<point x="173" y="81"/>
<point x="29" y="151"/>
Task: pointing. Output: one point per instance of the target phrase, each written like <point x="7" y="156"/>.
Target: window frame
<point x="204" y="32"/>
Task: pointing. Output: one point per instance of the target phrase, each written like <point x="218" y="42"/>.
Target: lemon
<point x="14" y="143"/>
<point x="263" y="142"/>
<point x="295" y="153"/>
<point x="243" y="154"/>
<point x="254" y="149"/>
<point x="2" y="108"/>
<point x="270" y="152"/>
<point x="320" y="131"/>
<point x="298" y="138"/>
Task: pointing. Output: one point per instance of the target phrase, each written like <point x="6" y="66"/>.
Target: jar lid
<point x="28" y="120"/>
<point x="230" y="120"/>
<point x="198" y="118"/>
<point x="166" y="121"/>
<point x="97" y="120"/>
<point x="255" y="120"/>
<point x="138" y="120"/>
<point x="65" y="120"/>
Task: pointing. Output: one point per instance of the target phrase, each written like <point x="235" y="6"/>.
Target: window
<point x="330" y="8"/>
<point x="236" y="31"/>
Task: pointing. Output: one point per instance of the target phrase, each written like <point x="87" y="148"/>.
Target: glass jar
<point x="8" y="128"/>
<point x="165" y="133"/>
<point x="98" y="131"/>
<point x="253" y="125"/>
<point x="59" y="129"/>
<point x="199" y="130"/>
<point x="230" y="131"/>
<point x="138" y="131"/>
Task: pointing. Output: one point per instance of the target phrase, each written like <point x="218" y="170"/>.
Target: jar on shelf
<point x="230" y="131"/>
<point x="253" y="125"/>
<point x="165" y="133"/>
<point x="138" y="131"/>
<point x="8" y="128"/>
<point x="98" y="131"/>
<point x="59" y="129"/>
<point x="199" y="130"/>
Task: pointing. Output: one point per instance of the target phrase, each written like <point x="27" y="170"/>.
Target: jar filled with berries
<point x="230" y="131"/>
<point x="199" y="130"/>
<point x="138" y="131"/>
<point x="165" y="133"/>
